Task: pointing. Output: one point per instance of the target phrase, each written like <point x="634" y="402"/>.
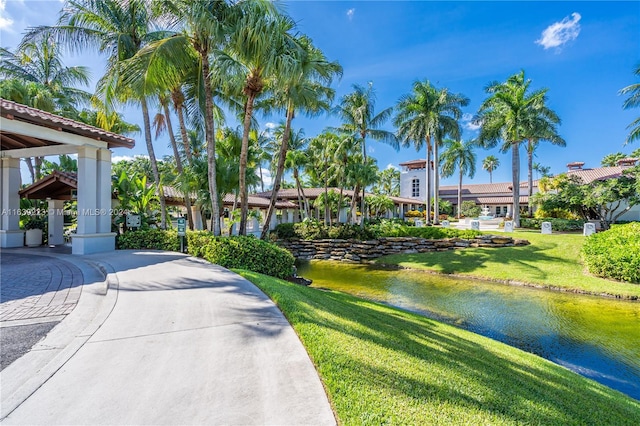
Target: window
<point x="415" y="188"/>
<point x="497" y="210"/>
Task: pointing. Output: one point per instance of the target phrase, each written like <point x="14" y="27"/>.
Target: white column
<point x="197" y="218"/>
<point x="274" y="221"/>
<point x="94" y="202"/>
<point x="103" y="190"/>
<point x="56" y="222"/>
<point x="10" y="233"/>
<point x="87" y="190"/>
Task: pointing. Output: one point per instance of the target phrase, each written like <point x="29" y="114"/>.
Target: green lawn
<point x="551" y="261"/>
<point x="381" y="365"/>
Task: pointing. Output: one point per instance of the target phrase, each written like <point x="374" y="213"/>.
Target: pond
<point x="596" y="337"/>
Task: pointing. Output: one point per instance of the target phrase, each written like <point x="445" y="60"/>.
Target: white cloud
<point x="117" y="158"/>
<point x="467" y="122"/>
<point x="392" y="166"/>
<point x="5" y="20"/>
<point x="270" y="125"/>
<point x="560" y="33"/>
<point x="350" y="13"/>
<point x="266" y="177"/>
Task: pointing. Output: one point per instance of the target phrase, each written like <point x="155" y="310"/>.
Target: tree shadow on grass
<point x="473" y="260"/>
<point x="442" y="366"/>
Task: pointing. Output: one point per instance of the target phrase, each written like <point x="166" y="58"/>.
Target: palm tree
<point x="504" y="116"/>
<point x="540" y="128"/>
<point x="543" y="170"/>
<point x="162" y="123"/>
<point x="202" y="29"/>
<point x="41" y="80"/>
<point x="260" y="48"/>
<point x="490" y="164"/>
<point x="306" y="90"/>
<point x="633" y="101"/>
<point x="459" y="155"/>
<point x="297" y="159"/>
<point x="424" y="118"/>
<point x="611" y="160"/>
<point x="357" y="111"/>
<point x="388" y="182"/>
<point x="119" y="29"/>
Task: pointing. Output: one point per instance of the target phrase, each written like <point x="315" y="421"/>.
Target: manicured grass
<point x="550" y="261"/>
<point x="381" y="365"/>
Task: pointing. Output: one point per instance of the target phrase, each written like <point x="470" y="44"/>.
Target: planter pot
<point x="33" y="237"/>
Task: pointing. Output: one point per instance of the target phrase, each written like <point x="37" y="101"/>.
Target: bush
<point x="242" y="252"/>
<point x="285" y="231"/>
<point x="470" y="209"/>
<point x="614" y="253"/>
<point x="149" y="239"/>
<point x="560" y="225"/>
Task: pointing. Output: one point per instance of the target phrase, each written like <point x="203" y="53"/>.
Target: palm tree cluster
<point x="187" y="64"/>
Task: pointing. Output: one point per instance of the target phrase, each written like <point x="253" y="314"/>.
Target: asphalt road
<point x="18" y="340"/>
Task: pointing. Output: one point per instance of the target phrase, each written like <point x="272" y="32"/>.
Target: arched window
<point x="415" y="188"/>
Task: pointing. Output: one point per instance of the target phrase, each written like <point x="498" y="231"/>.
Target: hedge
<point x="242" y="252"/>
<point x="614" y="253"/>
<point x="313" y="230"/>
<point x="560" y="225"/>
<point x="149" y="239"/>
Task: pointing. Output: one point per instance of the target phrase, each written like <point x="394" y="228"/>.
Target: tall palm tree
<point x="46" y="82"/>
<point x="162" y="123"/>
<point x="261" y="49"/>
<point x="297" y="159"/>
<point x="537" y="129"/>
<point x="306" y="90"/>
<point x="357" y="111"/>
<point x="633" y="101"/>
<point x="504" y="116"/>
<point x="424" y="118"/>
<point x="459" y="155"/>
<point x="490" y="164"/>
<point x="201" y="29"/>
<point x="119" y="30"/>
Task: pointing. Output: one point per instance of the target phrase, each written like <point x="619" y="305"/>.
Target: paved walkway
<point x="175" y="340"/>
<point x="36" y="288"/>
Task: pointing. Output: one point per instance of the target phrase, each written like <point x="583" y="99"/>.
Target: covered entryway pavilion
<point x="29" y="132"/>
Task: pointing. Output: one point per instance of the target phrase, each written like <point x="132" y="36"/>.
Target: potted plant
<point x="34" y="226"/>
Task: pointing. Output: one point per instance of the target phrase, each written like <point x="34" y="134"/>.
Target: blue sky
<point x="583" y="52"/>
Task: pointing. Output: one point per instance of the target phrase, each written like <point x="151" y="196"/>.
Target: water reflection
<point x="596" y="337"/>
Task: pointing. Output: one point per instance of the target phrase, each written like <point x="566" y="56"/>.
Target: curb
<point x="27" y="374"/>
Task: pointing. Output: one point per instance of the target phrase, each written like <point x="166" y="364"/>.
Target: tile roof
<point x="589" y="175"/>
<point x="16" y="111"/>
<point x="57" y="185"/>
<point x="313" y="193"/>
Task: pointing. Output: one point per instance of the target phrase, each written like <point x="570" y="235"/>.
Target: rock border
<point x="356" y="251"/>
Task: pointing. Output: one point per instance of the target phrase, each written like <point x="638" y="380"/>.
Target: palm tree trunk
<point x="515" y="178"/>
<point x="154" y="162"/>
<point x="209" y="127"/>
<point x="352" y="208"/>
<point x="436" y="183"/>
<point x="490" y="176"/>
<point x="460" y="193"/>
<point x="176" y="154"/>
<point x="244" y="152"/>
<point x="32" y="171"/>
<point x="364" y="155"/>
<point x="300" y="203"/>
<point x="530" y="171"/>
<point x="39" y="167"/>
<point x="284" y="147"/>
<point x="177" y="97"/>
<point x="428" y="182"/>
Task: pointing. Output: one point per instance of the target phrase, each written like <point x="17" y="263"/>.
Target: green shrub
<point x="560" y="225"/>
<point x="285" y="231"/>
<point x="242" y="253"/>
<point x="614" y="253"/>
<point x="149" y="239"/>
<point x="313" y="230"/>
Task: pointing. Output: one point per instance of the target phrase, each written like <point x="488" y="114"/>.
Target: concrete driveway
<point x="175" y="340"/>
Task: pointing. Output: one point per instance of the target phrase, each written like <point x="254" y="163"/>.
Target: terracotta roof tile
<point x="36" y="116"/>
